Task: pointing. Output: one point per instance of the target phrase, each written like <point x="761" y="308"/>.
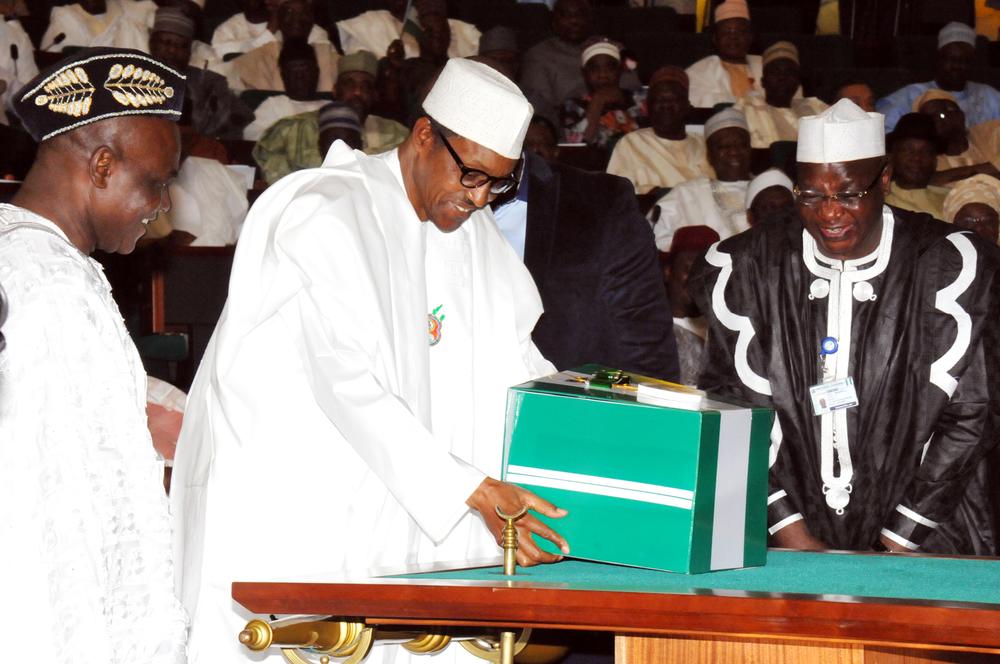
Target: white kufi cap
<point x="479" y="103"/>
<point x="956" y="32"/>
<point x="772" y="177"/>
<point x="842" y="132"/>
<point x="724" y="119"/>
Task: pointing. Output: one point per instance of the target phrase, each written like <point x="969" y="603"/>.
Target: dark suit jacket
<point x="593" y="258"/>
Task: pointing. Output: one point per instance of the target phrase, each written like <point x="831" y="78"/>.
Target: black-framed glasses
<point x="473" y="178"/>
<point x="847" y="198"/>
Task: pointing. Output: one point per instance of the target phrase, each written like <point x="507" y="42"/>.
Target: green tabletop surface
<point x="832" y="575"/>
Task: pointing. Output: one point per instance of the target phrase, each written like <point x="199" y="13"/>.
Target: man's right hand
<point x="511" y="499"/>
<point x="797" y="536"/>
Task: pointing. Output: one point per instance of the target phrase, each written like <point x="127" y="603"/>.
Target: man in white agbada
<point x="728" y="76"/>
<point x="83" y="514"/>
<point x="718" y="203"/>
<point x="17" y="63"/>
<point x="348" y="415"/>
<point x="118" y="23"/>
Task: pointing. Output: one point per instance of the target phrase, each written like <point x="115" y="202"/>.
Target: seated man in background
<point x="259" y="69"/>
<point x="17" y="63"/>
<point x="769" y="197"/>
<point x="376" y="30"/>
<point x="774" y="116"/>
<point x="974" y="204"/>
<point x="542" y="139"/>
<point x="299" y="72"/>
<point x="719" y="202"/>
<point x="875" y="341"/>
<point x="119" y="23"/>
<point x="727" y="77"/>
<point x="339" y="122"/>
<point x="859" y="93"/>
<point x="664" y="154"/>
<point x="965" y="152"/>
<point x="498" y="48"/>
<point x="956" y="50"/>
<point x="913" y="149"/>
<point x="550" y="72"/>
<point x="292" y="143"/>
<point x="689" y="244"/>
<point x="298" y="142"/>
<point x="244" y="31"/>
<point x="216" y="111"/>
<point x="606" y="112"/>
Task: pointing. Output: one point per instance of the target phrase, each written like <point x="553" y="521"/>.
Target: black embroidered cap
<point x="96" y="84"/>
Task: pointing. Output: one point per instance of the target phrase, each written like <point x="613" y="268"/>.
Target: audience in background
<point x="378" y="29"/>
<point x="299" y="72"/>
<point x="964" y="153"/>
<point x="665" y="153"/>
<point x="719" y="203"/>
<point x="542" y="139"/>
<point x="774" y="116"/>
<point x="215" y="110"/>
<point x="974" y="204"/>
<point x="769" y="197"/>
<point x="859" y="93"/>
<point x="498" y="48"/>
<point x="551" y="72"/>
<point x="17" y="63"/>
<point x="956" y="50"/>
<point x="913" y="148"/>
<point x="259" y="69"/>
<point x="606" y="112"/>
<point x="246" y="30"/>
<point x="732" y="73"/>
<point x="339" y="121"/>
<point x="119" y="23"/>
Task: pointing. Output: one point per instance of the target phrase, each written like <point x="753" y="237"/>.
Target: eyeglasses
<point x="847" y="199"/>
<point x="473" y="178"/>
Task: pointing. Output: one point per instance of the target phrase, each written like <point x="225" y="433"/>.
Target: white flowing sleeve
<point x="334" y="316"/>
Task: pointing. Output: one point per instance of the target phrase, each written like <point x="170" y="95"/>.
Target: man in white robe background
<point x="83" y="515"/>
<point x="348" y="415"/>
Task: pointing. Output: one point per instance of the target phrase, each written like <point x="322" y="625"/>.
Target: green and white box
<point x="658" y="478"/>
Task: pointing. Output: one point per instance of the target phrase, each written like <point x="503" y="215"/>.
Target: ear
<point x="423" y="134"/>
<point x="886" y="178"/>
<point x="102" y="164"/>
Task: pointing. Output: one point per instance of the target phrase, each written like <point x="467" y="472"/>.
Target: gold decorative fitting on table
<point x="510" y="539"/>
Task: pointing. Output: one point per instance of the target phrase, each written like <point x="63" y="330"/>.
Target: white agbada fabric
<point x="208" y="201"/>
<point x="125" y="24"/>
<point x="15" y="72"/>
<point x="314" y="442"/>
<point x="649" y="161"/>
<point x="83" y="515"/>
<point x="275" y="108"/>
<point x="238" y="35"/>
<point x="376" y="29"/>
<point x="768" y="123"/>
<point x="710" y="81"/>
<point x="713" y="203"/>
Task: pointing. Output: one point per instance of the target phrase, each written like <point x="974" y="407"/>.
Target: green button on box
<point x="677" y="485"/>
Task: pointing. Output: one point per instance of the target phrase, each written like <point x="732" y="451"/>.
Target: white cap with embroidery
<point x="479" y="103"/>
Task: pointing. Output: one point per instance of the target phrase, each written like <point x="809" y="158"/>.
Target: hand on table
<point x="511" y="499"/>
<point x="797" y="536"/>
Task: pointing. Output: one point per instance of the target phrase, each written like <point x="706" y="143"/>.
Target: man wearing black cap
<point x="913" y="149"/>
<point x="80" y="487"/>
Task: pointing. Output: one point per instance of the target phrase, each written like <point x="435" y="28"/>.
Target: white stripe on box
<point x="729" y="520"/>
<point x="601" y="486"/>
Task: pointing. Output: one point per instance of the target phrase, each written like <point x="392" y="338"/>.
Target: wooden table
<point x="801" y="607"/>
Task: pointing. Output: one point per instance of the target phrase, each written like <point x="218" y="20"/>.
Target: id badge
<point x="835" y="395"/>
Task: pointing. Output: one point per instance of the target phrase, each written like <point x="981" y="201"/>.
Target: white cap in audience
<point x="772" y="177"/>
<point x="724" y="119"/>
<point x="479" y="103"/>
<point x="601" y="47"/>
<point x="956" y="32"/>
<point x="732" y="9"/>
<point x="842" y="132"/>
